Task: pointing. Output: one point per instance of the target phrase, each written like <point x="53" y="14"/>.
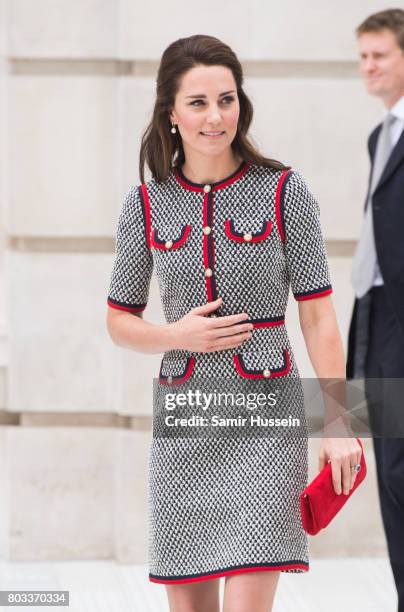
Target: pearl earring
<point x="173" y="130"/>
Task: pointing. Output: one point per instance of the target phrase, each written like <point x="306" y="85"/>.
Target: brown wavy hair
<point x="160" y="149"/>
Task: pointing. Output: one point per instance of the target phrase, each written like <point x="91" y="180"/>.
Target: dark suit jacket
<point x="388" y="225"/>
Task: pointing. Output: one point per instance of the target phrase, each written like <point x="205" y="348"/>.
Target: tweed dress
<point x="219" y="506"/>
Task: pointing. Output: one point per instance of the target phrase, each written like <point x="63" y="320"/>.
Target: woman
<point x="228" y="231"/>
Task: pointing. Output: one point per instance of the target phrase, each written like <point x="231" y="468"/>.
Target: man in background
<point x="376" y="335"/>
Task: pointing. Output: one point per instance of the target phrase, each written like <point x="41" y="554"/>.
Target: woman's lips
<point x="212" y="134"/>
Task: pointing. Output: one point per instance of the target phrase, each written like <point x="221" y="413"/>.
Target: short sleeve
<point x="306" y="256"/>
<point x="133" y="265"/>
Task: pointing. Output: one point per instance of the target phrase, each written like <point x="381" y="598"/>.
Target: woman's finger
<point x="220" y="332"/>
<point x="357" y="460"/>
<point x="208" y="307"/>
<point x="229" y="320"/>
<point x="322" y="460"/>
<point x="231" y="342"/>
<point x="346" y="475"/>
<point x="336" y="476"/>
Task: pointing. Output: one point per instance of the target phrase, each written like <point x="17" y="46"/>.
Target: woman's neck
<point x="203" y="169"/>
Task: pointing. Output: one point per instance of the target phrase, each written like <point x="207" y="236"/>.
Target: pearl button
<point x="169" y="244"/>
<point x="247" y="237"/>
<point x="207" y="230"/>
<point x="169" y="379"/>
<point x="208" y="272"/>
<point x="207" y="188"/>
<point x="267" y="373"/>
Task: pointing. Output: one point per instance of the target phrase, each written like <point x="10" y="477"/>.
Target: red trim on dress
<point x="265" y="568"/>
<point x="184" y="183"/>
<point x="267" y="323"/>
<point x="313" y="295"/>
<point x="208" y="284"/>
<point x="257" y="375"/>
<point x="186" y="375"/>
<point x="234" y="178"/>
<point x="278" y="204"/>
<point x="216" y="186"/>
<point x="176" y="243"/>
<point x="127" y="308"/>
<point x="229" y="233"/>
<point x="146" y="212"/>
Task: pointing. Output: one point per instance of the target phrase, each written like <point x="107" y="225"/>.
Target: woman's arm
<point x="194" y="332"/>
<point x="319" y="326"/>
<point x="131" y="331"/>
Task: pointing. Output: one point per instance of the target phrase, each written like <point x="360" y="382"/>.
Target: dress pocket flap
<point x="247" y="235"/>
<point x="171" y="243"/>
<point x="182" y="371"/>
<point x="247" y="366"/>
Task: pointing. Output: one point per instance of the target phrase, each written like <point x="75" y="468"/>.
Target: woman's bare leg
<point x="250" y="591"/>
<point x="200" y="596"/>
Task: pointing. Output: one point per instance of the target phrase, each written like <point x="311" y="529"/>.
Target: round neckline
<point x="228" y="180"/>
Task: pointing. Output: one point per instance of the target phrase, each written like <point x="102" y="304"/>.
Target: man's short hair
<point x="391" y="19"/>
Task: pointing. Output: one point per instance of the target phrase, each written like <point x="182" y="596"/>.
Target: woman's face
<point x="206" y="110"/>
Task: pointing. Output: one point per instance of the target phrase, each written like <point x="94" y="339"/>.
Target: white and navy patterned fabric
<point x="222" y="506"/>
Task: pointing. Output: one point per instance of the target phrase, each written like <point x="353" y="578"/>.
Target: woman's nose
<point x="214" y="116"/>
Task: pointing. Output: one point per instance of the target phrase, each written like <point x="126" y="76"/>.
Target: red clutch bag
<point x="318" y="501"/>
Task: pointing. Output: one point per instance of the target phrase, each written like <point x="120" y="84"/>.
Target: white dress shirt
<point x="395" y="132"/>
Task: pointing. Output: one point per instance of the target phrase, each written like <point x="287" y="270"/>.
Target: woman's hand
<point x="198" y="333"/>
<point x="343" y="453"/>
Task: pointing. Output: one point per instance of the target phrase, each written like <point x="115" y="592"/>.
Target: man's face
<point x="382" y="64"/>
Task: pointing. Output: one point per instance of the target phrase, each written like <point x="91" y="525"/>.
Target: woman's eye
<point x="226" y="100"/>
